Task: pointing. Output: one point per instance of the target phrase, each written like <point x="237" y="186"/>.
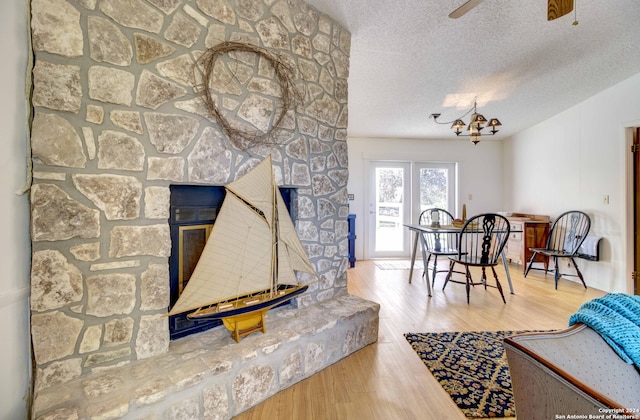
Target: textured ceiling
<point x="409" y="60"/>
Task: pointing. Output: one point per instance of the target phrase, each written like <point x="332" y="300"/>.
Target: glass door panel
<point x="389" y="209"/>
<point x="434" y="186"/>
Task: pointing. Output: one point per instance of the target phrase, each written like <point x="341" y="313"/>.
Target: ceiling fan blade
<point x="465" y="8"/>
<point x="558" y="8"/>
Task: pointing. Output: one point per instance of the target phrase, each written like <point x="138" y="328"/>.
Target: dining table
<point x="419" y="232"/>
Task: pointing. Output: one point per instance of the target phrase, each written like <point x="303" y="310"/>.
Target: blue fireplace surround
<point x="195" y="206"/>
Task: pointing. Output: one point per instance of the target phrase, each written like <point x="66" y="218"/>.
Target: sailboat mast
<point x="274" y="238"/>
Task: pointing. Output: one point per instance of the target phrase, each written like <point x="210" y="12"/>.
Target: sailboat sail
<point x="236" y="259"/>
<point x="239" y="257"/>
<point x="287" y="234"/>
<point x="257" y="188"/>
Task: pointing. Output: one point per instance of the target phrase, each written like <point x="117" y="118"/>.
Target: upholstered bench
<point x="570" y="374"/>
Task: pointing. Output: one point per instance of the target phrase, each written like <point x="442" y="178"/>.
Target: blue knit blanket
<point x="616" y="317"/>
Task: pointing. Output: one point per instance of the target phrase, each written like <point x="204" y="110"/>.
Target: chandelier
<point x="476" y="124"/>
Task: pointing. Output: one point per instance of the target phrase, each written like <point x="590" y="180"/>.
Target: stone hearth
<point x="208" y="375"/>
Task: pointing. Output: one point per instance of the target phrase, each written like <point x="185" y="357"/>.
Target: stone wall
<point x="119" y="117"/>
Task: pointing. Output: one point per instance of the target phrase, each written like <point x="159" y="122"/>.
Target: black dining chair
<point x="437" y="244"/>
<point x="567" y="233"/>
<point x="480" y="244"/>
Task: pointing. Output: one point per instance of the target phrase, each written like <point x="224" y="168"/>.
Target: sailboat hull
<point x="246" y="318"/>
<point x="241" y="307"/>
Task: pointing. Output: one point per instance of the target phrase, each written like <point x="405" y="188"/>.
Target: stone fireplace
<point x="118" y="119"/>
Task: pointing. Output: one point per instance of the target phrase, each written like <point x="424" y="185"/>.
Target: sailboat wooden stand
<point x="243" y="325"/>
<point x="249" y="262"/>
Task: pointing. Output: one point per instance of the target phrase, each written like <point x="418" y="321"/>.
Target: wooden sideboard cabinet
<point x="534" y="231"/>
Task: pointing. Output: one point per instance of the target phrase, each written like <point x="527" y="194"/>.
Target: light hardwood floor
<point x="387" y="380"/>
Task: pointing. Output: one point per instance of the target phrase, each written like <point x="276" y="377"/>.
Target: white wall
<point x="572" y="161"/>
<point x="479" y="171"/>
<point x="15" y="359"/>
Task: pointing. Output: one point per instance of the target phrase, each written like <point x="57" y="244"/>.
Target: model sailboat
<point x="249" y="262"/>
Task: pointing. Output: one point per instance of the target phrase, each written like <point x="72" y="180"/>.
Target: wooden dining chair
<point x="480" y="244"/>
<point x="437" y="244"/>
<point x="567" y="233"/>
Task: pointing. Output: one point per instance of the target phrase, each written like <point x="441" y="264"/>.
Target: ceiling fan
<point x="558" y="8"/>
<point x="555" y="8"/>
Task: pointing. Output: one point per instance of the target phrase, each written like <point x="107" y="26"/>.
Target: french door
<point x="398" y="192"/>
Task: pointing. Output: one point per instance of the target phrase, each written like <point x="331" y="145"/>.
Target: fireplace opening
<point x="193" y="211"/>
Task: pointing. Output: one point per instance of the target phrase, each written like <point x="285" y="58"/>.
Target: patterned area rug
<point x="397" y="264"/>
<point x="471" y="367"/>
